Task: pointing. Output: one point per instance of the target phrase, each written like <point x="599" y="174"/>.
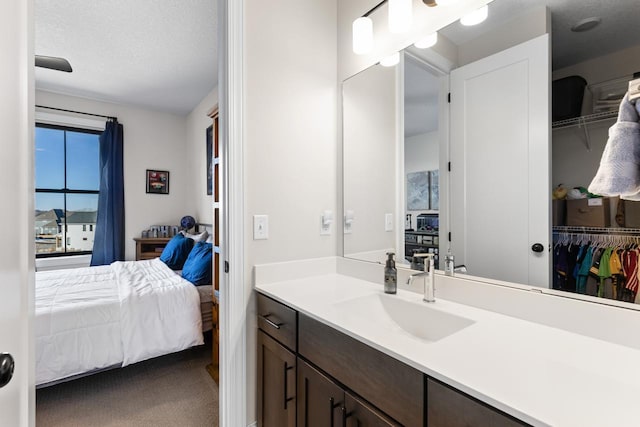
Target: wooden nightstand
<point x="150" y="248"/>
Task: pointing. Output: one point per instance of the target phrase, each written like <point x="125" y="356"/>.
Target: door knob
<point x="537" y="247"/>
<point x="6" y="368"/>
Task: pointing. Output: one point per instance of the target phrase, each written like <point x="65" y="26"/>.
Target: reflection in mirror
<point x="422" y="87"/>
<point x="497" y="208"/>
<point x="369" y="132"/>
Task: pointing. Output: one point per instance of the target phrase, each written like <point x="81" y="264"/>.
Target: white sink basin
<point x="419" y="319"/>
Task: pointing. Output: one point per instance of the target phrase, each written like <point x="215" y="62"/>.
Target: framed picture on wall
<point x="209" y="160"/>
<point x="157" y="182"/>
<point x="418" y="191"/>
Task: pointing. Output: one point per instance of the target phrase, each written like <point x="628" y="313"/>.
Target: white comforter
<point x="97" y="317"/>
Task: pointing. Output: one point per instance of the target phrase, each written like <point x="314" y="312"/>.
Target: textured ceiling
<point x="154" y="54"/>
<point x="618" y="29"/>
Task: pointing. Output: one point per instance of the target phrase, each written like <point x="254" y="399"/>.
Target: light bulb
<point x="427" y="42"/>
<point x="390" y="60"/>
<point x="362" y="35"/>
<point x="400" y="16"/>
<point x="475" y="17"/>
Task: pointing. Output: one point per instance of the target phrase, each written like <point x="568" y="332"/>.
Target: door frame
<point x="441" y="68"/>
<point x="233" y="295"/>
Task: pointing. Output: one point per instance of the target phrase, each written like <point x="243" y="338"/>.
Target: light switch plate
<point x="388" y="222"/>
<point x="325" y="223"/>
<point x="260" y="227"/>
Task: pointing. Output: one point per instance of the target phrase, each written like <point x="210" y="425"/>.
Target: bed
<point x="95" y="318"/>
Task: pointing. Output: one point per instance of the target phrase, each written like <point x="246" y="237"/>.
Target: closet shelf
<point x="585" y="120"/>
<point x="595" y="230"/>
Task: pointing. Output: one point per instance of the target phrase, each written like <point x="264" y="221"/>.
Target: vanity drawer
<point x="277" y="320"/>
<point x="390" y="385"/>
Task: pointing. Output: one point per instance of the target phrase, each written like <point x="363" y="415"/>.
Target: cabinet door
<point x="447" y="407"/>
<point x="320" y="400"/>
<point x="359" y="414"/>
<point x="276" y="384"/>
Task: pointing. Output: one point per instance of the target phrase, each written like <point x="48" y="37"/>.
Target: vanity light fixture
<point x="475" y="17"/>
<point x="362" y="35"/>
<point x="390" y="60"/>
<point x="400" y="16"/>
<point x="427" y="42"/>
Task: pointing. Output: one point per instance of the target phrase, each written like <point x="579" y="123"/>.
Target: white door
<point x="500" y="157"/>
<point x="16" y="214"/>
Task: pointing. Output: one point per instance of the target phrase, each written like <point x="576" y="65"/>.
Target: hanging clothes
<point x="583" y="271"/>
<point x="630" y="268"/>
<point x="617" y="275"/>
<point x="604" y="273"/>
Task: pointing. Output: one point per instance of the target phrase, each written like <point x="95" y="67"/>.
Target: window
<point x="67" y="181"/>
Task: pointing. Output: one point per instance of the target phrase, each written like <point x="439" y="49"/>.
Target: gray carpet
<point x="172" y="390"/>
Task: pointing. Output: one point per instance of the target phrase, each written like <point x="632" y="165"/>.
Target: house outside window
<point x="67" y="168"/>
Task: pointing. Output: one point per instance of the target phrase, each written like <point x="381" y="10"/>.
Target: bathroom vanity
<point x="335" y="350"/>
<point x="324" y="377"/>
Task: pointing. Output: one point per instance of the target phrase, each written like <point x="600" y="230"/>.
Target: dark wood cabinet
<point x="276" y="383"/>
<point x="323" y="403"/>
<point x="360" y="414"/>
<point x="319" y="399"/>
<point x="390" y="385"/>
<point x="447" y="407"/>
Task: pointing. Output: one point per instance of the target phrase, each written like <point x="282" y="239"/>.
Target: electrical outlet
<point x="260" y="227"/>
<point x="388" y="222"/>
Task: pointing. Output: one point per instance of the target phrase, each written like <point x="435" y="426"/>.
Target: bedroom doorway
<point x="214" y="169"/>
<point x="153" y="153"/>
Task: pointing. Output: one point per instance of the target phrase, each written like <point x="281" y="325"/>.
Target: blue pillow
<point x="176" y="252"/>
<point x="197" y="267"/>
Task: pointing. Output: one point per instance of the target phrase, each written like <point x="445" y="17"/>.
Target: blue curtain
<point x="108" y="243"/>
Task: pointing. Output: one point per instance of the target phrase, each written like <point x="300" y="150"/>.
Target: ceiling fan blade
<point x="53" y="63"/>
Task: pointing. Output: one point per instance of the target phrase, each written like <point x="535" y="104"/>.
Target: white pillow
<point x="196" y="237"/>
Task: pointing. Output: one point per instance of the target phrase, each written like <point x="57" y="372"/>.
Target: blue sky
<point x="83" y="168"/>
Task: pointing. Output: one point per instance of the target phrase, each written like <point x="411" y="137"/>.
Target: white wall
<point x="152" y="140"/>
<point x="573" y="164"/>
<point x="369" y="150"/>
<point x="290" y="143"/>
<point x="197" y="124"/>
<point x="520" y="29"/>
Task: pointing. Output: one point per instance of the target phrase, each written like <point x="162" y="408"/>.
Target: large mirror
<point x="476" y="176"/>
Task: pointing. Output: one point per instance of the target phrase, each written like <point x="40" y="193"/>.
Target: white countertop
<point x="539" y="374"/>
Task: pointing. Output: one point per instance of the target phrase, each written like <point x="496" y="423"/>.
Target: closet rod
<point x="76" y="112"/>
<point x="594" y="230"/>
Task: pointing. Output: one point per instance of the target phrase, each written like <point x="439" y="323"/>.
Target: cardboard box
<point x="589" y="212"/>
<point x="631" y="214"/>
<point x="559" y="212"/>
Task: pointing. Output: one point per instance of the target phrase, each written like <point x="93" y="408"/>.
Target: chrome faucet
<point x="427" y="275"/>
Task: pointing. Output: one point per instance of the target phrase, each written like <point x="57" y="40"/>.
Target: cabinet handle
<point x="332" y="406"/>
<point x="286" y="392"/>
<point x="271" y="322"/>
<point x="344" y="416"/>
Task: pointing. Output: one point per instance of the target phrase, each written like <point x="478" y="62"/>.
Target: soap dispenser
<point x="390" y="275"/>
